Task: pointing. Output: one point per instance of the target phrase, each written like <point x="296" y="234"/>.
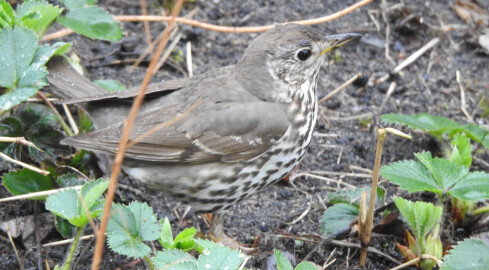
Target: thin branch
<point x="25" y="165"/>
<point x="218" y="28"/>
<point x="341" y="87"/>
<point x="37" y="194"/>
<point x="65" y="127"/>
<point x="99" y="244"/>
<point x="146" y="25"/>
<point x="462" y="97"/>
<point x="20" y="140"/>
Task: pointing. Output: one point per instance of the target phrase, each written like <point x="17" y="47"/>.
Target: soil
<point x="350" y="118"/>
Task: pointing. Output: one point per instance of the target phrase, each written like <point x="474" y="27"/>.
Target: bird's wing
<point x="227" y="132"/>
<point x="75" y="88"/>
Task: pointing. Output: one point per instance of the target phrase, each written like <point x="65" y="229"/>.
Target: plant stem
<point x="480" y="211"/>
<point x="149" y="262"/>
<point x="73" y="248"/>
<point x="65" y="126"/>
<point x="367" y="234"/>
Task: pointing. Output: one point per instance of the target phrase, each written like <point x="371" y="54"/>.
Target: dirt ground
<point x="349" y="119"/>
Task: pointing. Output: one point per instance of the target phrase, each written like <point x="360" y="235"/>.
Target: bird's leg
<point x="216" y="233"/>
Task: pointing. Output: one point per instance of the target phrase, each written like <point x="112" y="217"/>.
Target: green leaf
<point x="445" y="173"/>
<point x="185" y="239"/>
<point x="27" y="181"/>
<point x="64" y="204"/>
<point x="75" y="4"/>
<point x="6" y="15"/>
<point x="69" y="180"/>
<point x="174" y="259"/>
<point x="129" y="226"/>
<point x="166" y="236"/>
<point x="474" y="187"/>
<point x="85" y="124"/>
<point x="421" y="217"/>
<point x="92" y="22"/>
<point x="110" y="85"/>
<point x="17" y="49"/>
<point x="22" y="69"/>
<point x="338" y="218"/>
<point x="37" y="15"/>
<point x="410" y="175"/>
<point x="352" y="196"/>
<point x="282" y="262"/>
<point x="63" y="227"/>
<point x="14" y="98"/>
<point x="435" y="125"/>
<point x="92" y="190"/>
<point x="462" y="150"/>
<point x="305" y="266"/>
<point x="476" y="133"/>
<point x="471" y="254"/>
<point x="68" y="205"/>
<point x="217" y="257"/>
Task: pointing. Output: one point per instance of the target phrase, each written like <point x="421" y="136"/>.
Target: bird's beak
<point x="335" y="41"/>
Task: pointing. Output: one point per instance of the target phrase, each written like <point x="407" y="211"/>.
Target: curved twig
<point x="218" y="28"/>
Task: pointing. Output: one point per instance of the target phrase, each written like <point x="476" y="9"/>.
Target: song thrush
<point x="252" y="125"/>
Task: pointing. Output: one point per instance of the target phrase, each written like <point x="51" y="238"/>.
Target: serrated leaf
<point x="185" y="239"/>
<point x="14" y="98"/>
<point x="338" y="218"/>
<point x="63" y="204"/>
<point x="17" y="48"/>
<point x="462" y="150"/>
<point x="305" y="266"/>
<point x="281" y="261"/>
<point x="110" y="85"/>
<point x="174" y="259"/>
<point x="148" y="227"/>
<point x="45" y="52"/>
<point x="67" y="204"/>
<point x="435" y="125"/>
<point x="37" y="15"/>
<point x="445" y="173"/>
<point x="6" y="15"/>
<point x="477" y="133"/>
<point x="26" y="181"/>
<point x="75" y="4"/>
<point x="421" y="217"/>
<point x="22" y="69"/>
<point x="166" y="236"/>
<point x="92" y="22"/>
<point x="217" y="257"/>
<point x="410" y="175"/>
<point x="129" y="225"/>
<point x="471" y="254"/>
<point x="128" y="246"/>
<point x="91" y="191"/>
<point x="474" y="187"/>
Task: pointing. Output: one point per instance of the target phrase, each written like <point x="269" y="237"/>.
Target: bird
<point x="234" y="131"/>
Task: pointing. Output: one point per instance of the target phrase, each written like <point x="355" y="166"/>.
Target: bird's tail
<point x="67" y="83"/>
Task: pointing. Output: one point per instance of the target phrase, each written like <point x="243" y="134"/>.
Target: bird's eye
<point x="303" y="55"/>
